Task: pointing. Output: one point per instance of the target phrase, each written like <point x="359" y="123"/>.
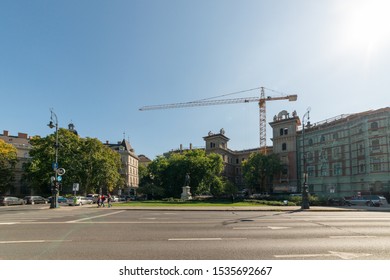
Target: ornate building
<point x="129" y="170"/>
<point x="218" y="143"/>
<point x="348" y="154"/>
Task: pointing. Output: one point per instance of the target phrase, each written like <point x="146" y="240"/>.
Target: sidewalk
<point x="253" y="208"/>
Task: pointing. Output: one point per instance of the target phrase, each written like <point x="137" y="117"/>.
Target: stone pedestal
<point x="186" y="195"/>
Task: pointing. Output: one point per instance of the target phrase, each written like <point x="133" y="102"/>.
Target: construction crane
<point x="262" y="100"/>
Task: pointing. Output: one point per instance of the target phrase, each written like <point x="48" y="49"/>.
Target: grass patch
<point x="197" y="203"/>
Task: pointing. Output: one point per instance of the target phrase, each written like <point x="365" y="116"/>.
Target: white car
<point x="78" y="200"/>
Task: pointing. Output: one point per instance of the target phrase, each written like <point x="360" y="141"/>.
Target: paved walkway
<point x="253" y="208"/>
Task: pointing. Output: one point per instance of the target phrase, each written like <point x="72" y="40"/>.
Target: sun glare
<point x="366" y="25"/>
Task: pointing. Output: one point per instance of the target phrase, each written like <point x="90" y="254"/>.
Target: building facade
<point x="129" y="168"/>
<point x="342" y="156"/>
<point x="284" y="131"/>
<point x="218" y="143"/>
<point x="22" y="144"/>
<point x="347" y="155"/>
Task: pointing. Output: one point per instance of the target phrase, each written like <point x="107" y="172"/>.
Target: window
<point x="284" y="147"/>
<point x="310" y="142"/>
<point x="362" y="166"/>
<point x="336" y="152"/>
<point x="337" y="169"/>
<point x="361" y="150"/>
<point x="376" y="164"/>
<point x="374" y="126"/>
<point x="283" y="131"/>
<point x="375" y="145"/>
<point x="324" y="170"/>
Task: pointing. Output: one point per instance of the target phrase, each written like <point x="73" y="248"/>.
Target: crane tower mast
<point x="207" y="102"/>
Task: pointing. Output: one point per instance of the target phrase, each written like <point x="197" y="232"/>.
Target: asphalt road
<point x="88" y="233"/>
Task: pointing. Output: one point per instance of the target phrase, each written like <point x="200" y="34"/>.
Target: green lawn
<point x="194" y="203"/>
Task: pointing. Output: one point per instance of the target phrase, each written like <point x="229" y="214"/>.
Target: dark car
<point x="36" y="200"/>
<point x="60" y="199"/>
<point x="11" y="200"/>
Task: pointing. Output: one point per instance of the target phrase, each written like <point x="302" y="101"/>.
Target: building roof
<point x="123" y="146"/>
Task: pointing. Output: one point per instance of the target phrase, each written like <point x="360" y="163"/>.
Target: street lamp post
<point x="305" y="193"/>
<point x="55" y="186"/>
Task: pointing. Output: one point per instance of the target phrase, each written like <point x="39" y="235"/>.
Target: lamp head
<point x="51" y="125"/>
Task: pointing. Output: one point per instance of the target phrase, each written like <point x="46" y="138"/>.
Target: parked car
<point x="60" y="199"/>
<point x="79" y="200"/>
<point x="114" y="198"/>
<point x="338" y="201"/>
<point x="93" y="197"/>
<point x="367" y="200"/>
<point x="35" y="200"/>
<point x="11" y="200"/>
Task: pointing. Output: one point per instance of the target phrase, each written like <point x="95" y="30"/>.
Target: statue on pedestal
<point x="186" y="194"/>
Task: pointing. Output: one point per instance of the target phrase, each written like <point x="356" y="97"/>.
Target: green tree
<point x="8" y="160"/>
<point x="259" y="169"/>
<point x="204" y="170"/>
<point x="86" y="161"/>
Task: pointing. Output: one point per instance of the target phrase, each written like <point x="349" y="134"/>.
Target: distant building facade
<point x="129" y="168"/>
<point x="284" y="131"/>
<point x="218" y="143"/>
<point x="348" y="154"/>
<point x="22" y="144"/>
<point x="345" y="155"/>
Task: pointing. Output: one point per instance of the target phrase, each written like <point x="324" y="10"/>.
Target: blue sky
<point x="97" y="62"/>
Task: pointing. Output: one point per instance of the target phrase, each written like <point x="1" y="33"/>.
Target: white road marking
<point x="254" y="228"/>
<point x="351" y="236"/>
<point x="94" y="217"/>
<point x="341" y="255"/>
<point x="205" y="239"/>
<point x="31" y="241"/>
<point x="278" y="227"/>
<point x="248" y="228"/>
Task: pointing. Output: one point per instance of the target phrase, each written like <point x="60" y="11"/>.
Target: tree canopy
<point x="258" y="168"/>
<point x="86" y="161"/>
<point x="8" y="160"/>
<point x="168" y="173"/>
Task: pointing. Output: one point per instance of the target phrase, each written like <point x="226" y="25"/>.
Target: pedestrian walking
<point x="103" y="199"/>
<point x="99" y="200"/>
<point x="109" y="199"/>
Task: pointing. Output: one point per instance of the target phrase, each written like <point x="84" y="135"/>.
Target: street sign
<point x="61" y="171"/>
<point x="75" y="187"/>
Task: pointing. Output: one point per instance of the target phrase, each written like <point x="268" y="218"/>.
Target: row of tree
<point x="165" y="176"/>
<point x="94" y="166"/>
<point x="86" y="160"/>
<point x="8" y="160"/>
